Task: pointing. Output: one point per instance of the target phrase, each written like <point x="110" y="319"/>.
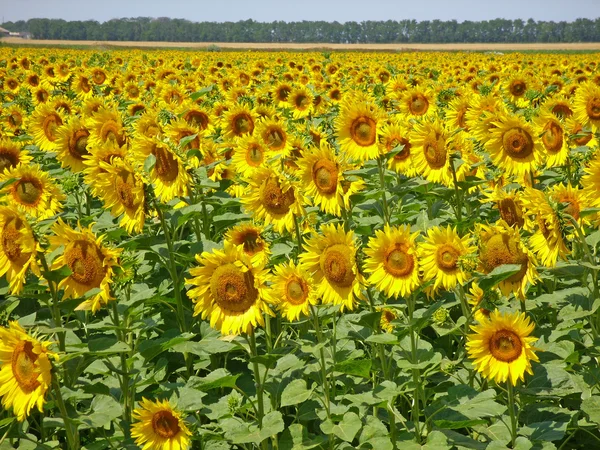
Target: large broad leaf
<point x="239" y="432"/>
<point x="591" y="406"/>
<point x="498" y="275"/>
<point x="297" y="437"/>
<point x="294" y="393"/>
<point x="357" y="367"/>
<point x="346" y="430"/>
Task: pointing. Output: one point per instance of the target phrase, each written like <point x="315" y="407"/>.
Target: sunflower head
<point x="501" y="347"/>
<point x="158" y="425"/>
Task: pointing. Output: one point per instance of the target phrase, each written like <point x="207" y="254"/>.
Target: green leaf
<point x="149" y="163"/>
<point x="498" y="275"/>
<point x="357" y="367"/>
<point x="591" y="406"/>
<point x="544" y="431"/>
<point x="297" y="437"/>
<point x="196" y="95"/>
<point x="184" y="141"/>
<point x="294" y="393"/>
<point x="152" y="348"/>
<point x="103" y="410"/>
<point x="216" y="379"/>
<point x="346" y="430"/>
<point x="239" y="432"/>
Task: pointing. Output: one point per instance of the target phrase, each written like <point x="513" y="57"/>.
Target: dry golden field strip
<point x="302" y="46"/>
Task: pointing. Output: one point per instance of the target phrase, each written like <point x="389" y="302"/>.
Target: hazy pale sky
<point x="297" y="10"/>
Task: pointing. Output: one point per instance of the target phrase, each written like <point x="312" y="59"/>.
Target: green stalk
<point x="298" y="234"/>
<point x="71" y="431"/>
<point x="386" y="211"/>
<point x="456" y="192"/>
<point x="416" y="409"/>
<point x="512" y="412"/>
<point x="124" y="367"/>
<point x="257" y="383"/>
<point x="55" y="308"/>
<point x="325" y="379"/>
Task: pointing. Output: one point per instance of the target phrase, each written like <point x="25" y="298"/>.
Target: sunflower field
<point x="299" y="250"/>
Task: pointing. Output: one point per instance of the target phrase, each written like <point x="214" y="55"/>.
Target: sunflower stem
<point x="55" y="309"/>
<point x="124" y="379"/>
<point x="298" y="233"/>
<point x="512" y="412"/>
<point x="457" y="193"/>
<point x="386" y="211"/>
<point x="71" y="431"/>
<point x="325" y="379"/>
<point x="416" y="408"/>
<point x="257" y="382"/>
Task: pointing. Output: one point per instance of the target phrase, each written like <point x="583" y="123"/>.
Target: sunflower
<point x="501" y="347"/>
<point x="281" y="93"/>
<point x="44" y="125"/>
<point x="331" y="259"/>
<point x="230" y="289"/>
<point x="578" y="135"/>
<point x="554" y="138"/>
<point x="82" y="86"/>
<point x="12" y="154"/>
<point x="32" y="192"/>
<point x="357" y="126"/>
<point x="159" y="427"/>
<point x="293" y="290"/>
<point x="179" y="129"/>
<point x="456" y="113"/>
<point x="71" y="145"/>
<point x="106" y="125"/>
<point x="394" y="137"/>
<point x="500" y="244"/>
<point x="392" y="261"/>
<point x="320" y="172"/>
<point x="250" y="154"/>
<point x="106" y="153"/>
<point x="572" y="198"/>
<point x="547" y="240"/>
<point x="509" y="204"/>
<point x="417" y="103"/>
<point x="388" y="315"/>
<point x="238" y="121"/>
<point x="514" y="146"/>
<point x="586" y="105"/>
<point x="274" y="135"/>
<point x="475" y="297"/>
<point x="168" y="174"/>
<point x="25" y="370"/>
<point x="91" y="264"/>
<point x="40" y="95"/>
<point x="440" y="254"/>
<point x="14" y="119"/>
<point x="250" y="237"/>
<point x="149" y="125"/>
<point x="560" y="105"/>
<point x="515" y="89"/>
<point x="197" y="116"/>
<point x="430" y="152"/>
<point x="273" y="199"/>
<point x="18" y="249"/>
<point x="122" y="189"/>
<point x="301" y="100"/>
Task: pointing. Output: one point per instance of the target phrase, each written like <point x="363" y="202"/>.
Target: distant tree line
<point x="390" y="31"/>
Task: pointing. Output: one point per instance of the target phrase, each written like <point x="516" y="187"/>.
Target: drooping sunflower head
<point x="273" y="199"/>
<point x="237" y="121"/>
<point x="25" y="370"/>
<point x="33" y="192"/>
<point x="274" y="134"/>
<point x="72" y="144"/>
<point x="18" y="248"/>
<point x="500" y="244"/>
<point x="91" y="264"/>
<point x="509" y="205"/>
<point x="44" y="125"/>
<point x="250" y="237"/>
<point x="230" y="289"/>
<point x="393" y="262"/>
<point x="586" y="106"/>
<point x="357" y="126"/>
<point x="430" y="151"/>
<point x="12" y="154"/>
<point x="331" y="258"/>
<point x="501" y="347"/>
<point x="159" y="426"/>
<point x="394" y="138"/>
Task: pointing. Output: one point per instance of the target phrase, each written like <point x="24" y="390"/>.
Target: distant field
<point x="589" y="46"/>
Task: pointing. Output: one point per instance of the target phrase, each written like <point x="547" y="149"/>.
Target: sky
<point x="297" y="10"/>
